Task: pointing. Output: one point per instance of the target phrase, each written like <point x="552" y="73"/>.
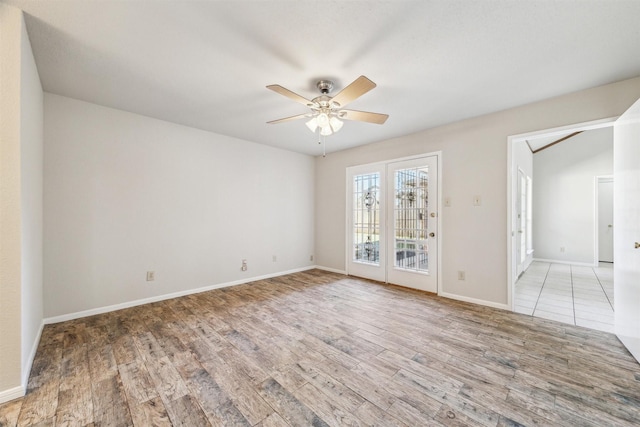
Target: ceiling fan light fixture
<point x="312" y="124"/>
<point x="326" y="130"/>
<point x="335" y="123"/>
<point x="323" y="120"/>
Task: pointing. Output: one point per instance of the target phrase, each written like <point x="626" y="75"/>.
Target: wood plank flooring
<point x="318" y="349"/>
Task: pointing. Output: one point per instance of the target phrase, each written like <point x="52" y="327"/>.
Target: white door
<point x="521" y="236"/>
<point x="412" y="225"/>
<point x="605" y="219"/>
<point x="365" y="228"/>
<point x="626" y="233"/>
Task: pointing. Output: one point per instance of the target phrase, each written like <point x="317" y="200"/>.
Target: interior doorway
<point x="521" y="153"/>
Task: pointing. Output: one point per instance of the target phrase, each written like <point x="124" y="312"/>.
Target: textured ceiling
<point x="205" y="64"/>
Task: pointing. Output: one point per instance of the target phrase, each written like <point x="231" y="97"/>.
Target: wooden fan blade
<point x="286" y="119"/>
<point x="363" y="116"/>
<point x="289" y="94"/>
<point x="356" y="89"/>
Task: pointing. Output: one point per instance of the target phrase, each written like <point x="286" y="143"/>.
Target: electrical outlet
<point x="477" y="201"/>
<point x="461" y="275"/>
<point x="151" y="276"/>
<point x="561" y="248"/>
<point x="274" y="259"/>
<point x="244" y="265"/>
<point x="310" y="257"/>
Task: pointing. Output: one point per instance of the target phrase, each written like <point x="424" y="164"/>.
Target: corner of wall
<point x="31" y="202"/>
<point x="21" y="144"/>
<point x="10" y="215"/>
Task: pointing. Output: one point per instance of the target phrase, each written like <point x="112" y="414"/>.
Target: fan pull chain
<point x="322" y="139"/>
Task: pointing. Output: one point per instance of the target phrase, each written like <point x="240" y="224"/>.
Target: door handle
<point x="637" y="245"/>
<point x="434" y="235"/>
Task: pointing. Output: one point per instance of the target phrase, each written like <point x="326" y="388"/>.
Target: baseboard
<point x="331" y="270"/>
<point x="129" y="304"/>
<point x="442" y="294"/>
<point x="474" y="301"/>
<point x="26" y="370"/>
<point x="631" y="343"/>
<point x="555" y="261"/>
<point x="12" y="393"/>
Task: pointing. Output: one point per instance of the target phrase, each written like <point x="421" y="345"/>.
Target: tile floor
<point x="577" y="295"/>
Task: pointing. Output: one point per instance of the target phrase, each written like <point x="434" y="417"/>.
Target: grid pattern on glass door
<point x="411" y="219"/>
<point x="366" y="218"/>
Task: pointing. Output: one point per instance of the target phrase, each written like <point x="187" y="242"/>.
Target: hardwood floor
<point x="316" y="349"/>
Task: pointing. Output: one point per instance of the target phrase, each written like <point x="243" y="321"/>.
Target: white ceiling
<point x="205" y="64"/>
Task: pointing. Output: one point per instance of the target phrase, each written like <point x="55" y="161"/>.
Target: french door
<point x="366" y="213"/>
<point x="393" y="222"/>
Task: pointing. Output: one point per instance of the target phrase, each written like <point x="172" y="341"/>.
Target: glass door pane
<point x="411" y="204"/>
<point x="366" y="218"/>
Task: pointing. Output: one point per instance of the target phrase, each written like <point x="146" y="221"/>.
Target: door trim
<point x="511" y="185"/>
<point x="347" y="225"/>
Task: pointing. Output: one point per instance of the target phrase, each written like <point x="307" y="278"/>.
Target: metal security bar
<point x="366" y="218"/>
<point x="411" y="219"/>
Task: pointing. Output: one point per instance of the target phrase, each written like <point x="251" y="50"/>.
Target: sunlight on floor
<point x="577" y="295"/>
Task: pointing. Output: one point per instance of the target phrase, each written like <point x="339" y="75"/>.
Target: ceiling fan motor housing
<point x="325" y="86"/>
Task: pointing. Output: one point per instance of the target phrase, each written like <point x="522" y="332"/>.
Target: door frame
<point x="512" y="181"/>
<point x="384" y="163"/>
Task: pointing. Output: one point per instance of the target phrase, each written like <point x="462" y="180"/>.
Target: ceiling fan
<point x="327" y="112"/>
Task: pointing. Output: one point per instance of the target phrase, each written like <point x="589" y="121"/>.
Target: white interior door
<point x="412" y="223"/>
<point x="521" y="236"/>
<point x="626" y="233"/>
<point x="366" y="219"/>
<point x="605" y="219"/>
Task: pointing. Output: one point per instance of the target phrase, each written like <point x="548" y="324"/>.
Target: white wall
<point x="10" y="277"/>
<point x="20" y="204"/>
<point x="564" y="195"/>
<point x="127" y="194"/>
<point x="474" y="154"/>
<point x="31" y="163"/>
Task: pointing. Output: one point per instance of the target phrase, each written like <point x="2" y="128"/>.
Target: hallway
<point x="577" y="295"/>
